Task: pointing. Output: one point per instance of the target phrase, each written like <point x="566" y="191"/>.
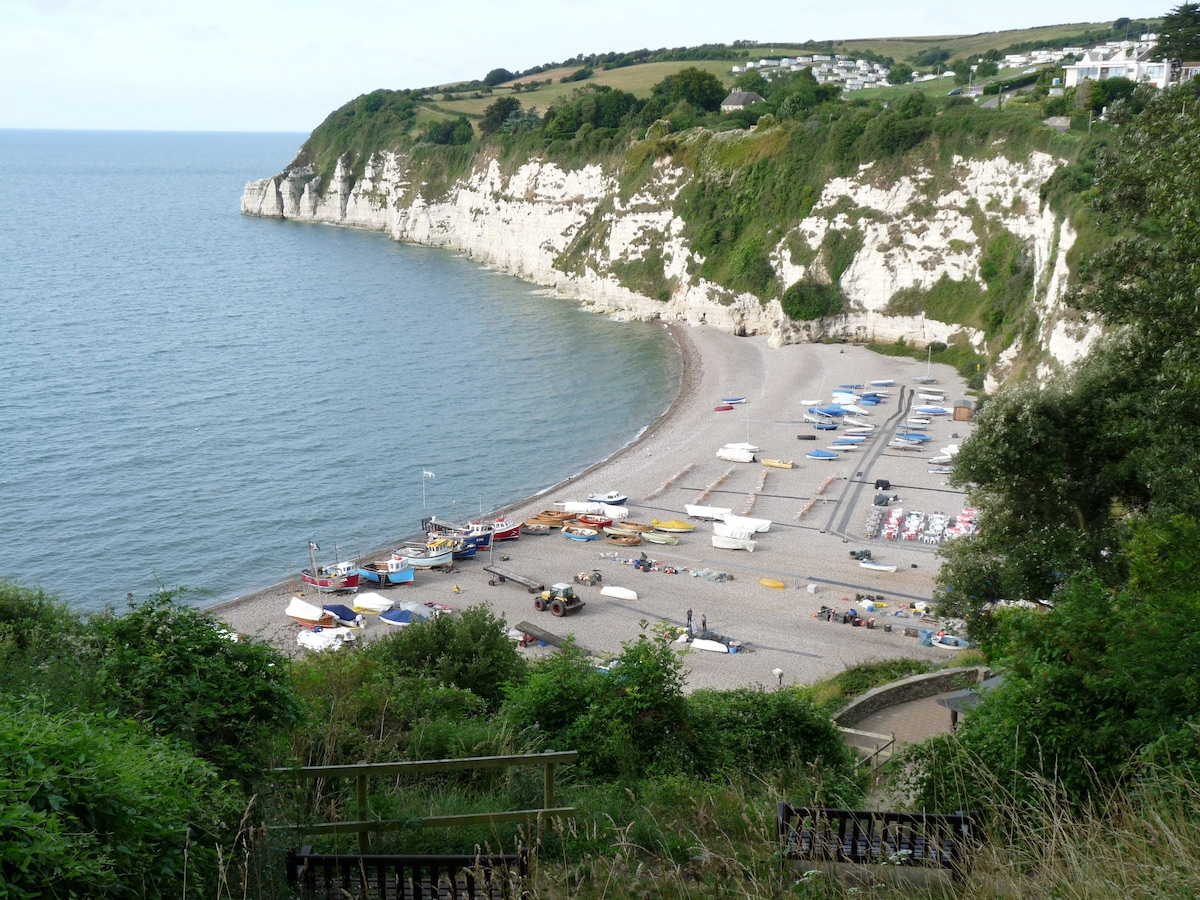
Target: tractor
<point x="561" y="599"/>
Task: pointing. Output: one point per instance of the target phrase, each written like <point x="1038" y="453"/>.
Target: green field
<point x="636" y="79"/>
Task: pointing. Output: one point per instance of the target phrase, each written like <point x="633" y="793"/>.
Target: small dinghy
<point x="821" y="454"/>
<point x="619" y="593"/>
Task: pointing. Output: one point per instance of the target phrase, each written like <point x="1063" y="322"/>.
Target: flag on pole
<point x="429" y="474"/>
<point x="313" y="546"/>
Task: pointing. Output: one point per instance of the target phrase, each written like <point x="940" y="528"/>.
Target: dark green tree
<point x="701" y="89"/>
<point x="498" y="76"/>
<point x="900" y="73"/>
<point x="496" y="114"/>
<point x="1179" y="35"/>
<point x="752" y="80"/>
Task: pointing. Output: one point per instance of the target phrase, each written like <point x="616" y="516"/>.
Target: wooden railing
<point x="363" y="825"/>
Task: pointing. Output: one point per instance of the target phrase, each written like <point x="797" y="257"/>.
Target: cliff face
<point x="573" y="231"/>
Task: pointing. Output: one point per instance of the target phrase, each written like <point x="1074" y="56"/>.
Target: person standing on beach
<point x="689" y="621"/>
<point x="703" y="623"/>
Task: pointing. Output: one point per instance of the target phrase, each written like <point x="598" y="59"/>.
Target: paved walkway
<point x="912" y="722"/>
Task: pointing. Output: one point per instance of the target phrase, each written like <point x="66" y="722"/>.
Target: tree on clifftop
<point x="699" y="88"/>
<point x="496" y="114"/>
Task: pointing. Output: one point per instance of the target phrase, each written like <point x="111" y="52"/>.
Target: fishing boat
<point x="659" y="537"/>
<point x="478" y="533"/>
<point x="674" y="526"/>
<point x="821" y="454"/>
<point x="459" y="547"/>
<point x="371" y="604"/>
<point x="728" y="543"/>
<point x="306" y="615"/>
<point x="778" y="463"/>
<point x="614" y="498"/>
<point x="735" y="454"/>
<point x="593" y="520"/>
<point x="705" y="512"/>
<point x="387" y="572"/>
<point x="554" y="517"/>
<point x="627" y="525"/>
<point x="622" y="538"/>
<point x="619" y="593"/>
<point x="877" y="566"/>
<point x="724" y="529"/>
<point x="529" y="526"/>
<point x="340" y="577"/>
<point x="423" y="556"/>
<point x="759" y="525"/>
<point x="345" y="616"/>
<point x="579" y="533"/>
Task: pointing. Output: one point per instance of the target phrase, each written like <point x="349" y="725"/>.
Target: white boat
<point x="705" y="512"/>
<point x="658" y="537"/>
<point x="932" y="398"/>
<point x="877" y="566"/>
<point x="919" y="420"/>
<point x="371" y="603"/>
<point x="326" y="638"/>
<point x="711" y="646"/>
<point x="615" y="513"/>
<point x="308" y="615"/>
<point x="724" y="529"/>
<point x="932" y="410"/>
<point x="423" y="556"/>
<point x="619" y="593"/>
<point x="614" y="498"/>
<point x="857" y="422"/>
<point x="818" y="419"/>
<point x="855" y="409"/>
<point x="728" y="543"/>
<point x="743" y="446"/>
<point x="580" y="507"/>
<point x="882" y="382"/>
<point x="759" y="525"/>
<point x="735" y="454"/>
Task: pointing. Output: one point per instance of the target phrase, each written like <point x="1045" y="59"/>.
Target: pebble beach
<point x="818" y="511"/>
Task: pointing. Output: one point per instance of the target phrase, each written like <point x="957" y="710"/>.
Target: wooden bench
<point x="408" y="877"/>
<point x="927" y="840"/>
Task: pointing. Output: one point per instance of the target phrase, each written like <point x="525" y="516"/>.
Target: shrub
<point x="177" y="670"/>
<point x="93" y="806"/>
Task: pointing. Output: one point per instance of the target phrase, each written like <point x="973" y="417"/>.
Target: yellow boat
<point x="674" y="526"/>
<point x="771" y="583"/>
<point x="779" y="463"/>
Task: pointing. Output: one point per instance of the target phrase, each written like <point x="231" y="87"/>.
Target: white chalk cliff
<point x="574" y="232"/>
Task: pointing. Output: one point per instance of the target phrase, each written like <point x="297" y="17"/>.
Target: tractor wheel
<point x="539" y="604"/>
<point x="557" y="608"/>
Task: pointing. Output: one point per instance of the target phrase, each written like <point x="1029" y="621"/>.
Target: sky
<point x="271" y="65"/>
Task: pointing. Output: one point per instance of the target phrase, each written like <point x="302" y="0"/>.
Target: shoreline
<point x="687" y="360"/>
<point x="817" y="511"/>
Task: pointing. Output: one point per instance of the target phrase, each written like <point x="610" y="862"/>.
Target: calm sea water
<point x="188" y="396"/>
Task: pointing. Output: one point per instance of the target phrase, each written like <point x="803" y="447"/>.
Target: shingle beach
<point x="817" y="511"/>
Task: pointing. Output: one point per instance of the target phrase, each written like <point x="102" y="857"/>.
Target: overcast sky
<point x="271" y="65"/>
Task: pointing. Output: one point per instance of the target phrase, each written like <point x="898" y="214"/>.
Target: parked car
<point x="956" y="92"/>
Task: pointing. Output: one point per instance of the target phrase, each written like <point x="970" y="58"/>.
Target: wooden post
<point x="361" y="782"/>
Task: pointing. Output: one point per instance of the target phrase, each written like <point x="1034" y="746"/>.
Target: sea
<point x="189" y="397"/>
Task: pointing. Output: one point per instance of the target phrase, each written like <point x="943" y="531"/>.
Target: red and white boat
<point x="338" y="578"/>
